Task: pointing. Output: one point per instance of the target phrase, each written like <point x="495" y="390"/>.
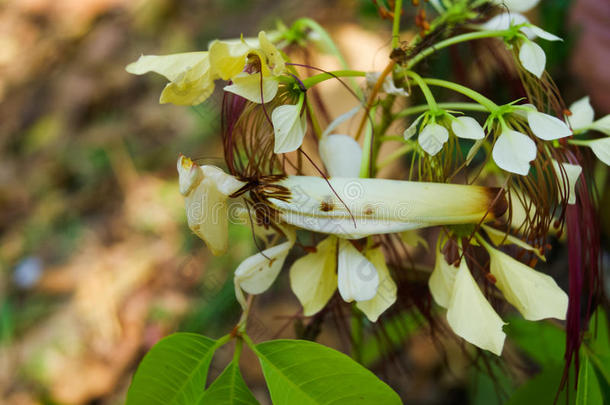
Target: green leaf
<point x="542" y="341"/>
<point x="307" y="373"/>
<point x="540" y="390"/>
<point x="174" y="371"/>
<point x="588" y="391"/>
<point x="229" y="389"/>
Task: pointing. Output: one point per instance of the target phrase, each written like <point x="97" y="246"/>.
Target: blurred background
<point x="96" y="260"/>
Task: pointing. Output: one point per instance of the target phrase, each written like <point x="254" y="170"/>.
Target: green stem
<point x="222" y="341"/>
<point x="452" y="41"/>
<point x="239" y="343"/>
<point x="365" y="163"/>
<point x="249" y="343"/>
<point x="357" y="333"/>
<point x="445" y="106"/>
<point x="476" y="96"/>
<point x="425" y="89"/>
<point x="319" y="78"/>
<point x="396" y="23"/>
<point x="578" y="142"/>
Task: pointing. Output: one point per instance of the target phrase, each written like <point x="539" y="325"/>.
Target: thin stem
<point x="396" y="23"/>
<point x="452" y="41"/>
<point x="445" y="106"/>
<point x="319" y="78"/>
<point x="239" y="343"/>
<point x="476" y="96"/>
<point x="425" y="89"/>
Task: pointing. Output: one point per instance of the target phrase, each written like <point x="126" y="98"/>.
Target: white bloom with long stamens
<point x="206" y="190"/>
<point x="432" y="138"/>
<point x="534" y="294"/>
<point x="547" y="127"/>
<point x="357" y="277"/>
<point x="513" y="152"/>
<point x="471" y="316"/>
<point x="289" y="127"/>
<point x="467" y="128"/>
<point x="572" y="174"/>
<point x="341" y="155"/>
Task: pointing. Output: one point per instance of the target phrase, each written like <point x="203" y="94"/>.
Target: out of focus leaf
<point x="540" y="390"/>
<point x="542" y="341"/>
<point x="588" y="391"/>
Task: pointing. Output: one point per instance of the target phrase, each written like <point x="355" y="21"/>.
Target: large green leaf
<point x="307" y="373"/>
<point x="541" y="389"/>
<point x="229" y="389"/>
<point x="173" y="372"/>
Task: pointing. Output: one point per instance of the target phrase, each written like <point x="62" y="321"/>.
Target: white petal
<point x="504" y="21"/>
<point x="520" y="6"/>
<point x="524" y="109"/>
<point x="341" y="155"/>
<point x="432" y="138"/>
<point x="532" y="58"/>
<point x="442" y="279"/>
<point x="547" y="127"/>
<point x="601" y="149"/>
<point x="602" y="125"/>
<point x="543" y="34"/>
<point x="572" y="172"/>
<point x="412" y="129"/>
<point x="534" y="294"/>
<point x="313" y="277"/>
<point x="467" y="128"/>
<point x="513" y="151"/>
<point x="189" y="175"/>
<point x="256" y="274"/>
<point x="388" y="84"/>
<point x="289" y="128"/>
<point x="170" y="66"/>
<point x="248" y="86"/>
<point x="582" y="113"/>
<point x="471" y="316"/>
<point x="386" y="292"/>
<point x="357" y="278"/>
<point x="340" y="120"/>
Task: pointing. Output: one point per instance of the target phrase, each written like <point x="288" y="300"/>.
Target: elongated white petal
<point x="602" y="125"/>
<point x="513" y="151"/>
<point x="582" y="113"/>
<point x="539" y="32"/>
<point x="519" y="6"/>
<point x="601" y="149"/>
<point x="498" y="237"/>
<point x="504" y="21"/>
<point x="377" y="206"/>
<point x="471" y="316"/>
<point x="313" y="277"/>
<point x="256" y="274"/>
<point x="412" y="129"/>
<point x="206" y="190"/>
<point x="572" y="172"/>
<point x="534" y="294"/>
<point x="432" y="138"/>
<point x="547" y="127"/>
<point x="532" y="58"/>
<point x="442" y="280"/>
<point x="386" y="292"/>
<point x="249" y="87"/>
<point x="467" y="128"/>
<point x="341" y="155"/>
<point x="170" y="66"/>
<point x="289" y="128"/>
<point x="357" y="277"/>
<point x="340" y="120"/>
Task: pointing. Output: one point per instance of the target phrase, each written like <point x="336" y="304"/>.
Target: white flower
<point x="583" y="115"/>
<point x="513" y="151"/>
<point x="432" y="138"/>
<point x="357" y="278"/>
<point x="547" y="127"/>
<point x="412" y="129"/>
<point x="289" y="127"/>
<point x="388" y="86"/>
<point x="572" y="173"/>
<point x="534" y="294"/>
<point x="532" y="58"/>
<point x="601" y="149"/>
<point x="206" y="190"/>
<point x="471" y="316"/>
<point x="341" y="155"/>
<point x="467" y="128"/>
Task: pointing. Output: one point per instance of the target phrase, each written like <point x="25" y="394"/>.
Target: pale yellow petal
<point x="228" y="59"/>
<point x="313" y="277"/>
<point x="249" y="87"/>
<point x="273" y="57"/>
<point x="191" y="87"/>
<point x="256" y="274"/>
<point x="289" y="128"/>
<point x="386" y="292"/>
<point x="442" y="280"/>
<point x="498" y="237"/>
<point x="170" y="66"/>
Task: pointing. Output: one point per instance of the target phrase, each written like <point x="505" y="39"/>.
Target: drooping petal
<point x="534" y="294"/>
<point x="520" y="6"/>
<point x="601" y="149"/>
<point x="499" y="237"/>
<point x="504" y="21"/>
<point x="357" y="277"/>
<point x="547" y="127"/>
<point x="532" y="58"/>
<point x="412" y="129"/>
<point x="442" y="280"/>
<point x="432" y="138"/>
<point x="341" y="155"/>
<point x="513" y="151"/>
<point x="572" y="173"/>
<point x="539" y="32"/>
<point x="386" y="292"/>
<point x="467" y="128"/>
<point x="249" y="87"/>
<point x="602" y="125"/>
<point x="471" y="316"/>
<point x="170" y="66"/>
<point x="582" y="113"/>
<point x="228" y="58"/>
<point x="256" y="274"/>
<point x="289" y="127"/>
<point x="313" y="277"/>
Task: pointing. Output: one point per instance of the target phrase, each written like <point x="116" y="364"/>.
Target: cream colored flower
<point x="513" y="152"/>
<point x="467" y="128"/>
<point x="289" y="127"/>
<point x="432" y="138"/>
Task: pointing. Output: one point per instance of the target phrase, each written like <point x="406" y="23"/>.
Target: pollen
<point x="187" y="163"/>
